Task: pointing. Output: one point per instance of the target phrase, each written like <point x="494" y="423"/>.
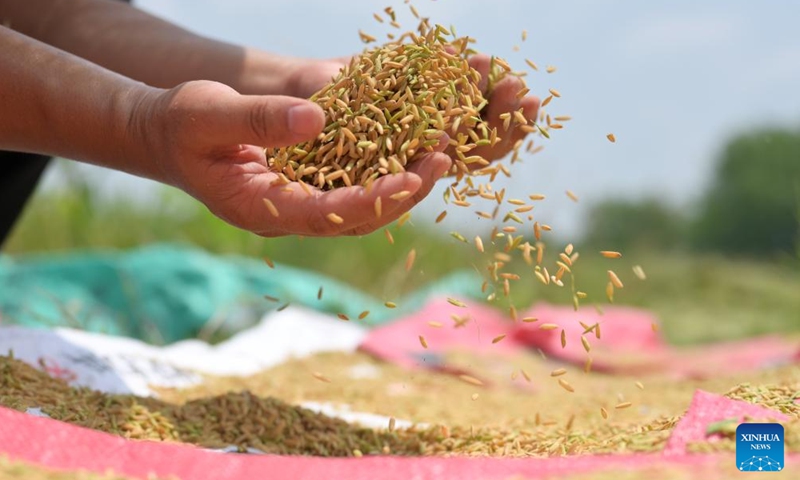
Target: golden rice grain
<point x="610" y="291"/>
<point x="639" y="385"/>
<point x="441" y="216"/>
<point x="610" y="254"/>
<point x="471" y="380"/>
<point x="586" y="345"/>
<point x="536" y="196"/>
<point x="566" y="385"/>
<point x="389" y="236"/>
<point x="614" y="279"/>
<point x="498" y="338"/>
<point x="457" y="303"/>
<point x="474" y="396"/>
<point x="558" y="372"/>
<point x="401" y="195"/>
<point x="524" y="35"/>
<point x="611" y="138"/>
<point x="322" y="378"/>
<point x="530" y="319"/>
<point x="363" y="315"/>
<point x="550" y="69"/>
<point x="412" y="255"/>
<point x="334" y="218"/>
<point x="587" y="366"/>
<point x="555" y="93"/>
<point x="344" y="317"/>
<point x="545" y="102"/>
<point x="378" y="207"/>
<point x="479" y="244"/>
<point x="390" y="305"/>
<point x="269" y="263"/>
<point x="423" y="342"/>
<point x="319" y="293"/>
<point x="572" y="196"/>
<point x="525" y="375"/>
<point x="271" y="207"/>
<point x="391" y="424"/>
<point x="271" y="298"/>
<point x="563" y="338"/>
<point x="548" y="326"/>
<point x="639" y="272"/>
<point x="622" y="405"/>
<point x="604" y="413"/>
<point x="435" y="324"/>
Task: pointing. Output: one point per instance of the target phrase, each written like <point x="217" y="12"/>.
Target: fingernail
<point x="303" y="120"/>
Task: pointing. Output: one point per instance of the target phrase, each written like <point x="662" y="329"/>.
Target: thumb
<point x="269" y="121"/>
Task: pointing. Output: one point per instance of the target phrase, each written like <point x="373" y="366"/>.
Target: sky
<point x="672" y="81"/>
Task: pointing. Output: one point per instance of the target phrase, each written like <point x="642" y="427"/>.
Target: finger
<point x="309" y="211"/>
<point x="481" y="63"/>
<point x="429" y="168"/>
<point x="265" y="121"/>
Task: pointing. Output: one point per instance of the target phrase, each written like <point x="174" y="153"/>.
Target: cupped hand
<point x="203" y="136"/>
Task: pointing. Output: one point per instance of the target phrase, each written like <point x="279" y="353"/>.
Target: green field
<point x="699" y="298"/>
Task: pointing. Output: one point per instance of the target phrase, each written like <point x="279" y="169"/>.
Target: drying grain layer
<point x="14" y="470"/>
<point x="239" y="419"/>
<point x="518" y="417"/>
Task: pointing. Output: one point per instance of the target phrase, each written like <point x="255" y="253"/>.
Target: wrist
<point x="138" y="131"/>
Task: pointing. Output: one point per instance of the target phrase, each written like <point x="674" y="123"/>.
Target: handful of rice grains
<point x="392" y="102"/>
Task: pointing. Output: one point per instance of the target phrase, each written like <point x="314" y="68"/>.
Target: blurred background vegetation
<point x="727" y="266"/>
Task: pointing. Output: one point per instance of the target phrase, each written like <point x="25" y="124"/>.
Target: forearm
<point x="57" y="104"/>
<point x="143" y="47"/>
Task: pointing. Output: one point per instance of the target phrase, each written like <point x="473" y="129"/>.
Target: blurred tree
<point x="619" y="224"/>
<point x="752" y="205"/>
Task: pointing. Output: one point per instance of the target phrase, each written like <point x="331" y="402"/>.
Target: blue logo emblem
<point x="759" y="447"/>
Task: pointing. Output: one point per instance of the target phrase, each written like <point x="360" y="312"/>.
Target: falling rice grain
<point x="566" y="385"/>
<point x="622" y="405"/>
<point x="433" y="324"/>
<point x="555" y="93"/>
<point x="548" y="326"/>
<point x="271" y="298"/>
<point x="319" y="293"/>
<point x="639" y="272"/>
<point x="498" y="338"/>
<point x="610" y="291"/>
<point x="572" y="196"/>
<point x="391" y="424"/>
<point x="271" y="207"/>
<point x="401" y="195"/>
<point x="457" y="303"/>
<point x="550" y="69"/>
<point x="610" y="254"/>
<point x="423" y="342"/>
<point x="604" y="413"/>
<point x="525" y="375"/>
<point x="558" y="372"/>
<point x="344" y="317"/>
<point x="322" y="378"/>
<point x="412" y="255"/>
<point x="363" y="315"/>
<point x="475" y="396"/>
<point x="586" y="345"/>
<point x="530" y="319"/>
<point x="611" y="138"/>
<point x="614" y="279"/>
<point x="390" y="305"/>
<point x="470" y="380"/>
<point x="441" y="216"/>
<point x="269" y="263"/>
<point x="563" y="338"/>
<point x="333" y="218"/>
<point x="389" y="236"/>
<point x="378" y="207"/>
<point x="479" y="244"/>
<point x="639" y="385"/>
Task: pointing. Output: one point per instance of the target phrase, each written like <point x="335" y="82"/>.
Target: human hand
<point x="202" y="136"/>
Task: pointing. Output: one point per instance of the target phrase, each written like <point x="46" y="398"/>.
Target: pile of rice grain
<point x="390" y="103"/>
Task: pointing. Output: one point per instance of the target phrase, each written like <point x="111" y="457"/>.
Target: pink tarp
<point x="628" y="342"/>
<point x="62" y="446"/>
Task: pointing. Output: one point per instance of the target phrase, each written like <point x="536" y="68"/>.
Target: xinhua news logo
<point x="759" y="447"/>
